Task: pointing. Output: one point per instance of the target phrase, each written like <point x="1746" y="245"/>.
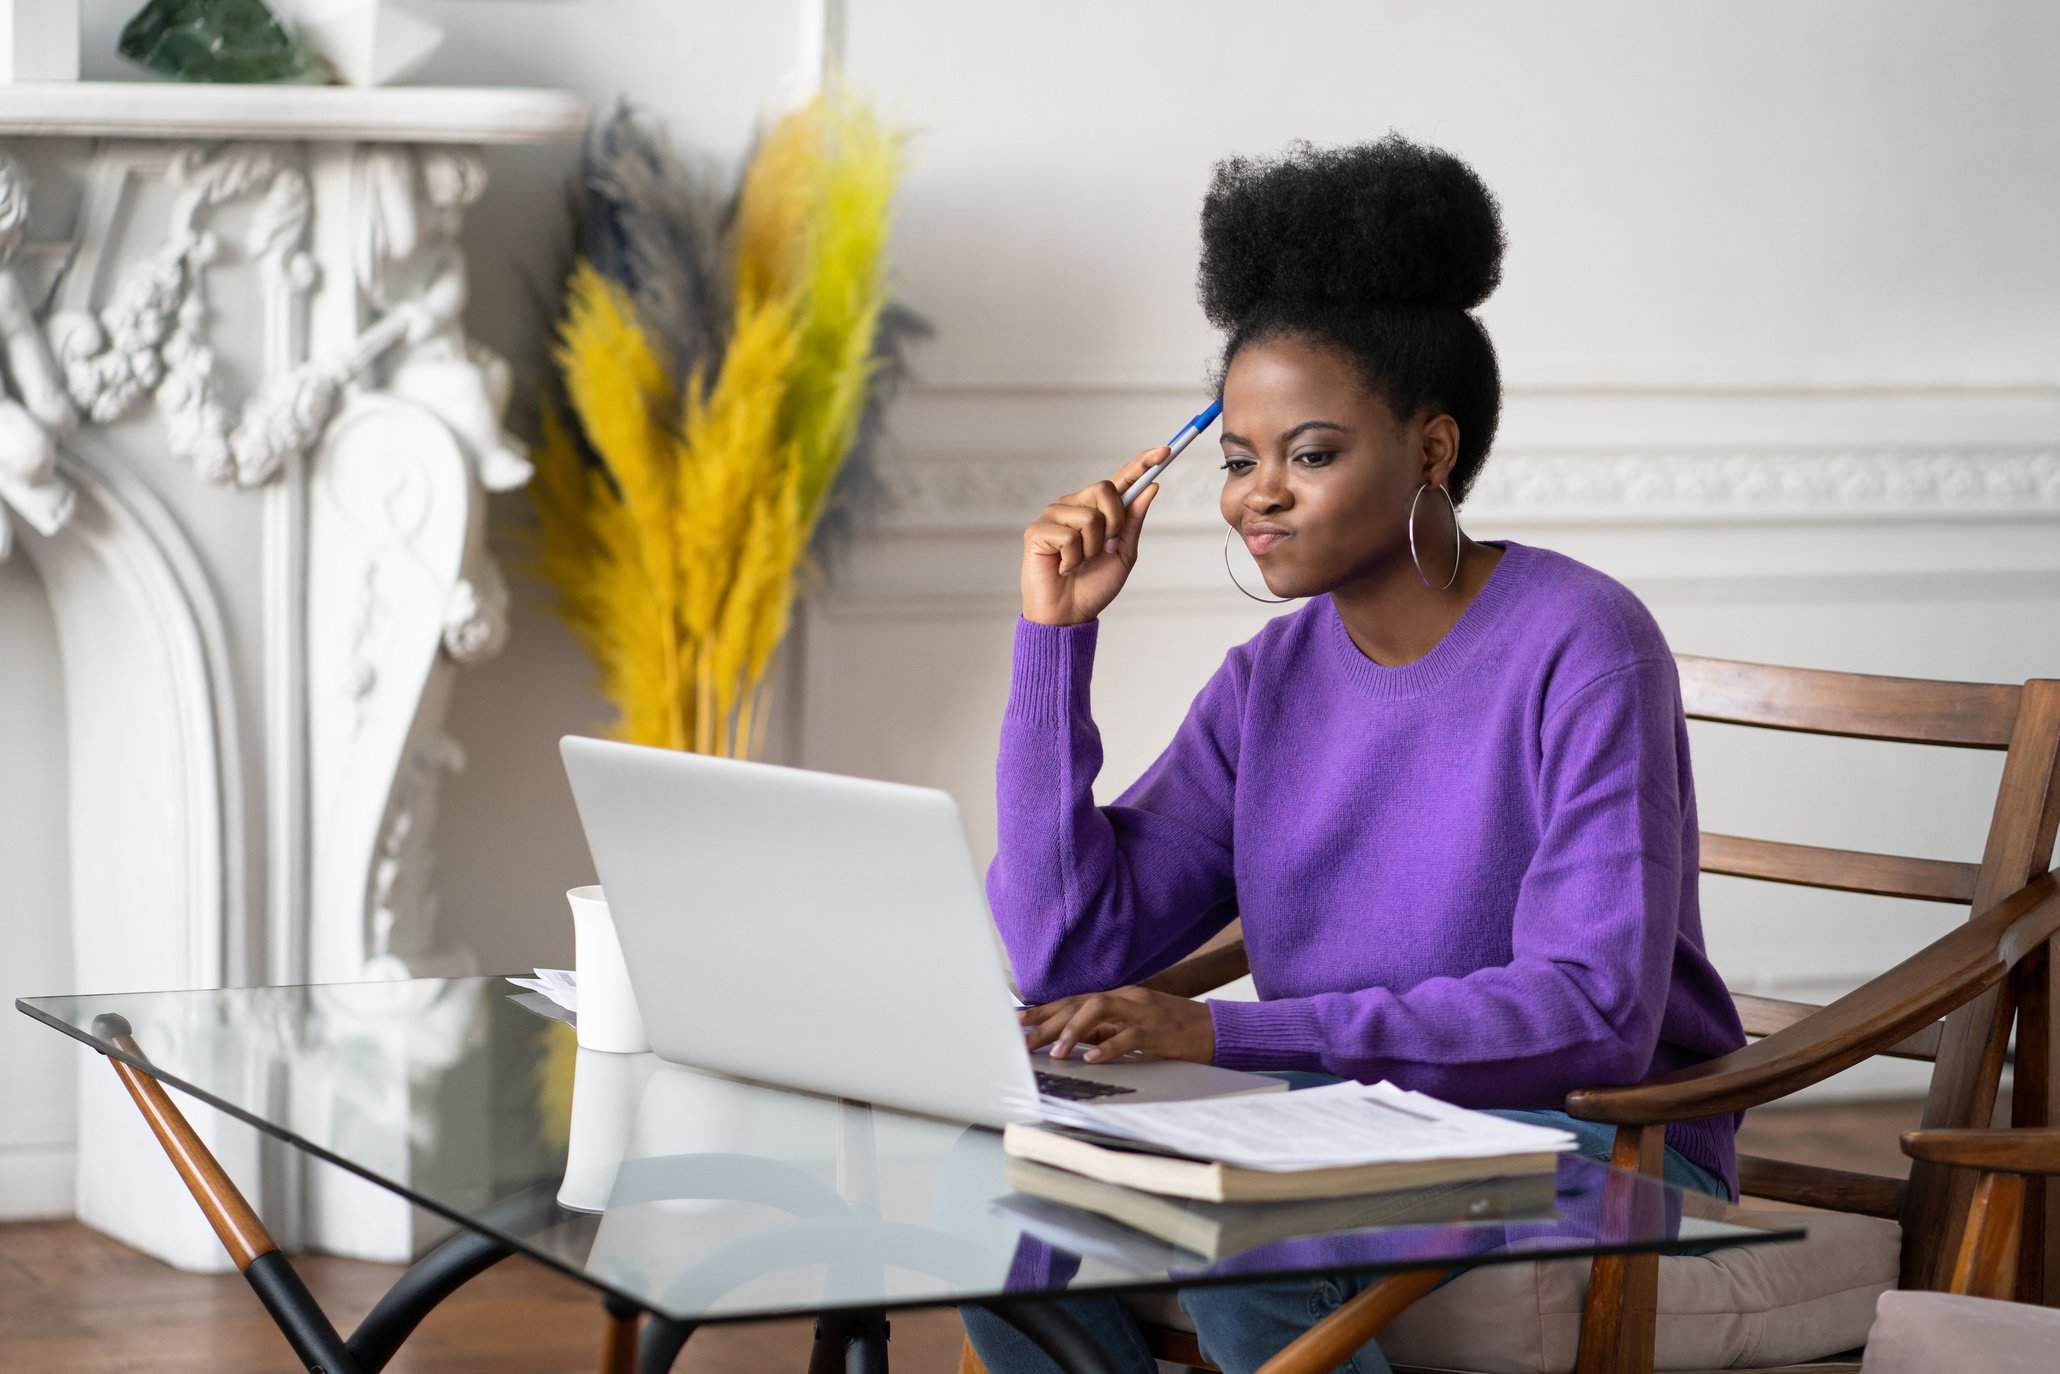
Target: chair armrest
<point x="2020" y="1150"/>
<point x="1951" y="971"/>
<point x="1204" y="972"/>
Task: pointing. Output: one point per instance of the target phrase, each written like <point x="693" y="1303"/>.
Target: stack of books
<point x="1221" y="1175"/>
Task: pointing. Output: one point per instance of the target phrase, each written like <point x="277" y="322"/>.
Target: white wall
<point x="36" y="1129"/>
<point x="1766" y="234"/>
<point x="1755" y="246"/>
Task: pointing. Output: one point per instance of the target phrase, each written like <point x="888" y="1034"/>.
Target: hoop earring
<point x="1457" y="542"/>
<point x="1229" y="530"/>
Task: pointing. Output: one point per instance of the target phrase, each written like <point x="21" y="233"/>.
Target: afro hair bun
<point x="1392" y="221"/>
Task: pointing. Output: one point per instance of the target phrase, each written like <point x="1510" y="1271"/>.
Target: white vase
<point x="607" y="1018"/>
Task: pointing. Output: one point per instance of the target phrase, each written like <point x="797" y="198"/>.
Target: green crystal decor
<point x="215" y="40"/>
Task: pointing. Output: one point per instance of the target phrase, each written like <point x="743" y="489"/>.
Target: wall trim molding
<point x="937" y="491"/>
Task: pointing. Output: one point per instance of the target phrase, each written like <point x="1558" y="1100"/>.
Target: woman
<point x="1449" y="797"/>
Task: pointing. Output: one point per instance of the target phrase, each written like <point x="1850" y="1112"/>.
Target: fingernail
<point x="1092" y="1055"/>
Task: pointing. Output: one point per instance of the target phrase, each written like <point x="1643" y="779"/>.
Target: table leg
<point x="1055" y="1333"/>
<point x="417" y="1292"/>
<point x="257" y="1257"/>
<point x="855" y="1345"/>
<point x="265" y="1267"/>
<point x="826" y="1351"/>
<point x="660" y="1344"/>
<point x="619" y="1342"/>
<point x="1331" y="1341"/>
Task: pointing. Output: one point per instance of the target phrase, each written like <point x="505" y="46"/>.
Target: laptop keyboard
<point x="1076" y="1089"/>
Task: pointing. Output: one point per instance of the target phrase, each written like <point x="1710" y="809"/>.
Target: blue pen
<point x="1188" y="434"/>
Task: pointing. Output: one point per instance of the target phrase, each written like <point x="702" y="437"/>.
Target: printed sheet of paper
<point x="558" y="984"/>
<point x="1340" y="1124"/>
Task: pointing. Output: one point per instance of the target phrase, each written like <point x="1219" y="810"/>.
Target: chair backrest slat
<point x="1975" y="715"/>
<point x="1813" y="1185"/>
<point x="1848" y="870"/>
<point x="1765" y="1015"/>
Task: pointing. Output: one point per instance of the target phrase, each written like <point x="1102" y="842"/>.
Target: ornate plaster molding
<point x="153" y="337"/>
<point x="290" y="305"/>
<point x="1761" y="483"/>
<point x="939" y="492"/>
<point x="404" y="114"/>
<point x="35" y="413"/>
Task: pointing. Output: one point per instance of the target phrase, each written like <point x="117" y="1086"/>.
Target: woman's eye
<point x="1236" y="464"/>
<point x="1316" y="460"/>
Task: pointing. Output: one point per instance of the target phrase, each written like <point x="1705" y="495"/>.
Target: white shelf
<point x="187" y="110"/>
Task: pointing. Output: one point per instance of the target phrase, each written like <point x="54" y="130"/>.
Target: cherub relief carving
<point x="35" y="411"/>
<point x="412" y="270"/>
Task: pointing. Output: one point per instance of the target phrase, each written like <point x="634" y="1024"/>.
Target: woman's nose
<point x="1268" y="491"/>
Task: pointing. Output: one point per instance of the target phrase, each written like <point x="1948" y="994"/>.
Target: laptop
<point x="825" y="933"/>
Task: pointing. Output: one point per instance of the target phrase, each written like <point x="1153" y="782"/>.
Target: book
<point x="1157" y="1169"/>
<point x="1214" y="1230"/>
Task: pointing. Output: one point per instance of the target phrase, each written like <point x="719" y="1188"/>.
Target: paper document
<point x="558" y="984"/>
<point x="1339" y="1124"/>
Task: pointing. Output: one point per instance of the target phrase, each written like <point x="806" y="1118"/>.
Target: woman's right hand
<point x="1077" y="554"/>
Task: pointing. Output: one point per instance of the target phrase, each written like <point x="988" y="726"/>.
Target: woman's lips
<point x="1260" y="540"/>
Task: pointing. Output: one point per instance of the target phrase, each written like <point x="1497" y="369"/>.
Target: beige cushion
<point x="1924" y="1333"/>
<point x="1745" y="1307"/>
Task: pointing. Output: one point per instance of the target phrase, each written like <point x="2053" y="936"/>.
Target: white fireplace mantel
<point x="400" y="114"/>
<point x="246" y="442"/>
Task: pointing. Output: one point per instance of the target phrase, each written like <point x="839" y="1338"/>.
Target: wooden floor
<point x="74" y="1302"/>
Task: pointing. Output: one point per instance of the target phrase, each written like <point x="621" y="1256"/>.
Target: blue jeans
<point x="1241" y="1326"/>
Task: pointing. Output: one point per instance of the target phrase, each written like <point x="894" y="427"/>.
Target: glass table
<point x="684" y="1198"/>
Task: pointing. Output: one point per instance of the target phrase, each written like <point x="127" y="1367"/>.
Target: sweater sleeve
<point x="1592" y="942"/>
<point x="1092" y="897"/>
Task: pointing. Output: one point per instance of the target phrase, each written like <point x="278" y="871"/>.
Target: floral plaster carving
<point x="152" y="340"/>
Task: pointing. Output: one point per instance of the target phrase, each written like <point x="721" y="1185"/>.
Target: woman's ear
<point x="1439" y="449"/>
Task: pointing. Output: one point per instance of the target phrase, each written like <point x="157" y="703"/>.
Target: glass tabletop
<point x="703" y="1198"/>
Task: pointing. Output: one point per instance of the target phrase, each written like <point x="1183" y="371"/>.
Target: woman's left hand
<point x="1112" y="1024"/>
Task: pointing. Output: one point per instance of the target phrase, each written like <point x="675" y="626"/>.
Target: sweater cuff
<point x="1267" y="1035"/>
<point x="1053" y="665"/>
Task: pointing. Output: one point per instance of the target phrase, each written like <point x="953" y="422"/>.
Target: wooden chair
<point x="1973" y="1325"/>
<point x="1995" y="967"/>
<point x="1994" y="1259"/>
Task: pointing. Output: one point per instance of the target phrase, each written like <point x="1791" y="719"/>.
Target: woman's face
<point x="1318" y="473"/>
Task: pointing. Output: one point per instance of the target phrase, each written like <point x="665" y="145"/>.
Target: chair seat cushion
<point x="1749" y="1306"/>
<point x="1923" y="1333"/>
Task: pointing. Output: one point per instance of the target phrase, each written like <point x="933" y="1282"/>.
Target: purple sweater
<point x="1474" y="875"/>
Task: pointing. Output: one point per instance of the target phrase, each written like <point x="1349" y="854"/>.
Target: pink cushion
<point x="1749" y="1306"/>
<point x="1924" y="1333"/>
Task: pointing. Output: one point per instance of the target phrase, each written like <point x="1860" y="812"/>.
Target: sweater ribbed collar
<point x="1445" y="664"/>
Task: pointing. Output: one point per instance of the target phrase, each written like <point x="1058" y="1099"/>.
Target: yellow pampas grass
<point x="675" y="513"/>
